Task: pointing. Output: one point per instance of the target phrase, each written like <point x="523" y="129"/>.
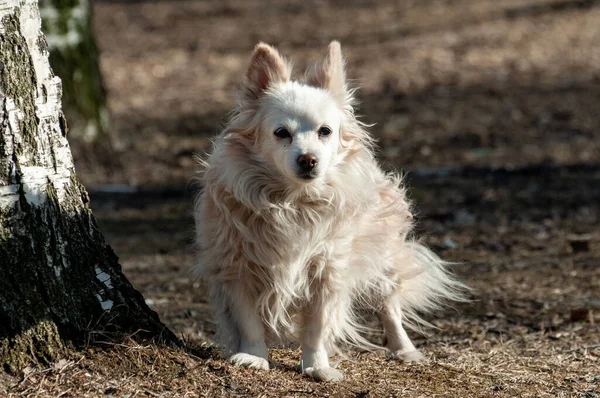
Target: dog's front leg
<point x="399" y="344"/>
<point x="319" y="319"/>
<point x="251" y="351"/>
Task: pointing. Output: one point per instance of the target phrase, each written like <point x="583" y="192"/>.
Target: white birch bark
<point x="60" y="282"/>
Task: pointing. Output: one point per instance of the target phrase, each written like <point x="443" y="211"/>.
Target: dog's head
<point x="302" y="129"/>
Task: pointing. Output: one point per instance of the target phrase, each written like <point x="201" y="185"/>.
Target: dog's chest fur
<point x="286" y="240"/>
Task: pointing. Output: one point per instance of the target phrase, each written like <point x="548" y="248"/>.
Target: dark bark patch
<point x="17" y="79"/>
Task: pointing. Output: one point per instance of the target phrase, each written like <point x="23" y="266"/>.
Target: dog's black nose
<point x="307" y="162"/>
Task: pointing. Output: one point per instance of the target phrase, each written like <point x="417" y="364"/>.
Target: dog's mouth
<point x="307" y="175"/>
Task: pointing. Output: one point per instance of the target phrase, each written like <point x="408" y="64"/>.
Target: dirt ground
<point x="491" y="107"/>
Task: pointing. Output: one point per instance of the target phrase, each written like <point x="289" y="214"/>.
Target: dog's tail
<point x="432" y="288"/>
<point x="427" y="285"/>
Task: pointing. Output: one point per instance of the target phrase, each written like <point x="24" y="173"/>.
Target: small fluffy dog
<point x="298" y="226"/>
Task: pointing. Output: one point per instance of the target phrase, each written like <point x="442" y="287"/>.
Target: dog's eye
<point x="324" y="131"/>
<point x="282" y="132"/>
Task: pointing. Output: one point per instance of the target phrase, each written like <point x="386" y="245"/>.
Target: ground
<point x="491" y="109"/>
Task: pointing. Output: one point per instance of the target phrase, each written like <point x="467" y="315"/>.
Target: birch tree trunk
<point x="67" y="25"/>
<point x="60" y="283"/>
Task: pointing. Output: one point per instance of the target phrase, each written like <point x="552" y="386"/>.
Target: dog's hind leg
<point x="242" y="329"/>
<point x="399" y="344"/>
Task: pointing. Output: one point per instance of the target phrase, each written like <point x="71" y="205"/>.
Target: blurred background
<point x="507" y="83"/>
<point x="491" y="107"/>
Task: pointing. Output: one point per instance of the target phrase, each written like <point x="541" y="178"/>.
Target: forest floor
<point x="492" y="108"/>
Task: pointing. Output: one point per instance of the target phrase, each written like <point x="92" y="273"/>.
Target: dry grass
<point x="526" y="367"/>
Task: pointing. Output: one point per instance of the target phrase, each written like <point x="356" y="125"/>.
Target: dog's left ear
<point x="331" y="74"/>
<point x="266" y="67"/>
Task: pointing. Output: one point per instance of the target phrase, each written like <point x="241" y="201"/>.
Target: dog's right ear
<point x="266" y="67"/>
<point x="331" y="74"/>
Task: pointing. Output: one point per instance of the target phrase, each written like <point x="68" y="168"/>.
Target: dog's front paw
<point x="325" y="373"/>
<point x="249" y="361"/>
<point x="408" y="356"/>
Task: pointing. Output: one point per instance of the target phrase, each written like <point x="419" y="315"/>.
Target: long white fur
<point x="287" y="258"/>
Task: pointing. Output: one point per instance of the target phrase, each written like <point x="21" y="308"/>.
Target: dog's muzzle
<point x="307" y="164"/>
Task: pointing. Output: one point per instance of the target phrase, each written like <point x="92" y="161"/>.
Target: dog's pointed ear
<point x="331" y="74"/>
<point x="266" y="67"/>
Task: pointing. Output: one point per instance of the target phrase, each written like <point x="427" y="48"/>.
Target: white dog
<point x="297" y="224"/>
